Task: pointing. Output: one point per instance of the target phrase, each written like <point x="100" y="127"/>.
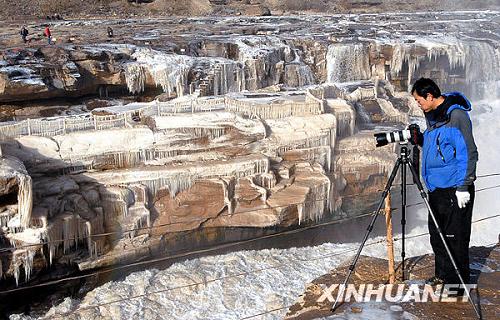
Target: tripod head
<point x="412" y="153"/>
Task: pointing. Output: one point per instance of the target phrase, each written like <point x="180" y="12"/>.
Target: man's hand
<point x="463" y="197"/>
<point x="416" y="137"/>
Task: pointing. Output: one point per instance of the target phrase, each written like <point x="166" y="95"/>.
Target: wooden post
<point x="390" y="241"/>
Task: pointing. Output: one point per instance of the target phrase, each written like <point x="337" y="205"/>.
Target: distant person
<point x="24" y="34"/>
<point x="110" y="32"/>
<point x="48" y="34"/>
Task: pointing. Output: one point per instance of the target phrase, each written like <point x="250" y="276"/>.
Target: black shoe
<point x="434" y="281"/>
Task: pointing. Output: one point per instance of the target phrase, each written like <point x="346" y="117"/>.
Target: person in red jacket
<point x="48" y="34"/>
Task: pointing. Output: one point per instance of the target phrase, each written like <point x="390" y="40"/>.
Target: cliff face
<point x="271" y="126"/>
<point x="237" y="63"/>
<point x="145" y="172"/>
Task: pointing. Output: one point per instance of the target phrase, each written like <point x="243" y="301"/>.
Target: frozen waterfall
<point x="347" y="62"/>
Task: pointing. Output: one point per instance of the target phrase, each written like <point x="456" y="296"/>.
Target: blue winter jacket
<point x="449" y="152"/>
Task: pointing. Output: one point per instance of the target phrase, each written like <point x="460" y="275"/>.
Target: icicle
<point x="228" y="187"/>
<point x="52" y="235"/>
<point x="8" y="215"/>
<point x="25" y="199"/>
<point x="273" y="111"/>
<point x="28" y="264"/>
<point x="266" y="180"/>
<point x="262" y="191"/>
<point x="174" y="184"/>
<point x="329" y="156"/>
<point x="135" y="76"/>
<point x="170" y="71"/>
<point x="25" y="259"/>
<point x="88" y="233"/>
<point x="228" y="77"/>
<point x="66" y="236"/>
<point x="300" y="211"/>
<point x="303" y="75"/>
<point x="15" y="265"/>
<point x="52" y="252"/>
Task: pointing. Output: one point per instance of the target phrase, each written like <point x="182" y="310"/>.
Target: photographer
<point x="449" y="169"/>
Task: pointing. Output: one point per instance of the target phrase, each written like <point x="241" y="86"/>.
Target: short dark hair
<point x="424" y="86"/>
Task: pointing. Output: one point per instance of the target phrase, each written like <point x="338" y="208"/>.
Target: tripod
<point x="402" y="162"/>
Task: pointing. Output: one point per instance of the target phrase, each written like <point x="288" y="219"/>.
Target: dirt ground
<point x="29" y="10"/>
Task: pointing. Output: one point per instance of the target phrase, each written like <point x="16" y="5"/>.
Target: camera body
<point x="411" y="134"/>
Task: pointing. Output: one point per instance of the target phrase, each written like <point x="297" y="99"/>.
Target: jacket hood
<point x="455" y="100"/>
<point x="452" y="101"/>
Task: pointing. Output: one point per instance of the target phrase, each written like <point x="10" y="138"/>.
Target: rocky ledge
<point x="485" y="272"/>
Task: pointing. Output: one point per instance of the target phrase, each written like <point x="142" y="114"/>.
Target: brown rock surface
<point x="190" y="208"/>
<point x="374" y="270"/>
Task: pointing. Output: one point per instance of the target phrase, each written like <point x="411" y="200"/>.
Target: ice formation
<point x="348" y="62"/>
<point x="23" y="258"/>
<point x="168" y="71"/>
<point x="317" y="200"/>
<point x="13" y="168"/>
<point x="135" y="76"/>
<point x="273" y="110"/>
<point x="25" y="199"/>
<point x="229" y="76"/>
<point x="479" y="59"/>
<point x="144" y="156"/>
<point x="309" y="132"/>
<point x="345" y="116"/>
<point x="268" y="58"/>
<point x="392" y="114"/>
<point x="178" y="178"/>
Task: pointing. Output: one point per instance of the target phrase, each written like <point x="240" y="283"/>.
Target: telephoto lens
<point x="385" y="138"/>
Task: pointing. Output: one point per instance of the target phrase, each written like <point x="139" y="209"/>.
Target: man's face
<point x="426" y="104"/>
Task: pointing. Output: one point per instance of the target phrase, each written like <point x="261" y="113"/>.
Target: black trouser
<point x="455" y="223"/>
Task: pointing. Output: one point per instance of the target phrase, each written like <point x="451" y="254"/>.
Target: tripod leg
<point x="368" y="230"/>
<point x="450" y="255"/>
<point x="403" y="215"/>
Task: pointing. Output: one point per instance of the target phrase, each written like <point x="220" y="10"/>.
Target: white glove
<point x="462" y="198"/>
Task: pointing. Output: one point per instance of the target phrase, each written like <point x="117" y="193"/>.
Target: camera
<point x="412" y="134"/>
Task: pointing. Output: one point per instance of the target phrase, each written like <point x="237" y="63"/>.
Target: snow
<point x="253" y="47"/>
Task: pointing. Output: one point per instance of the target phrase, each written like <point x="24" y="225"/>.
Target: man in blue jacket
<point x="449" y="160"/>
